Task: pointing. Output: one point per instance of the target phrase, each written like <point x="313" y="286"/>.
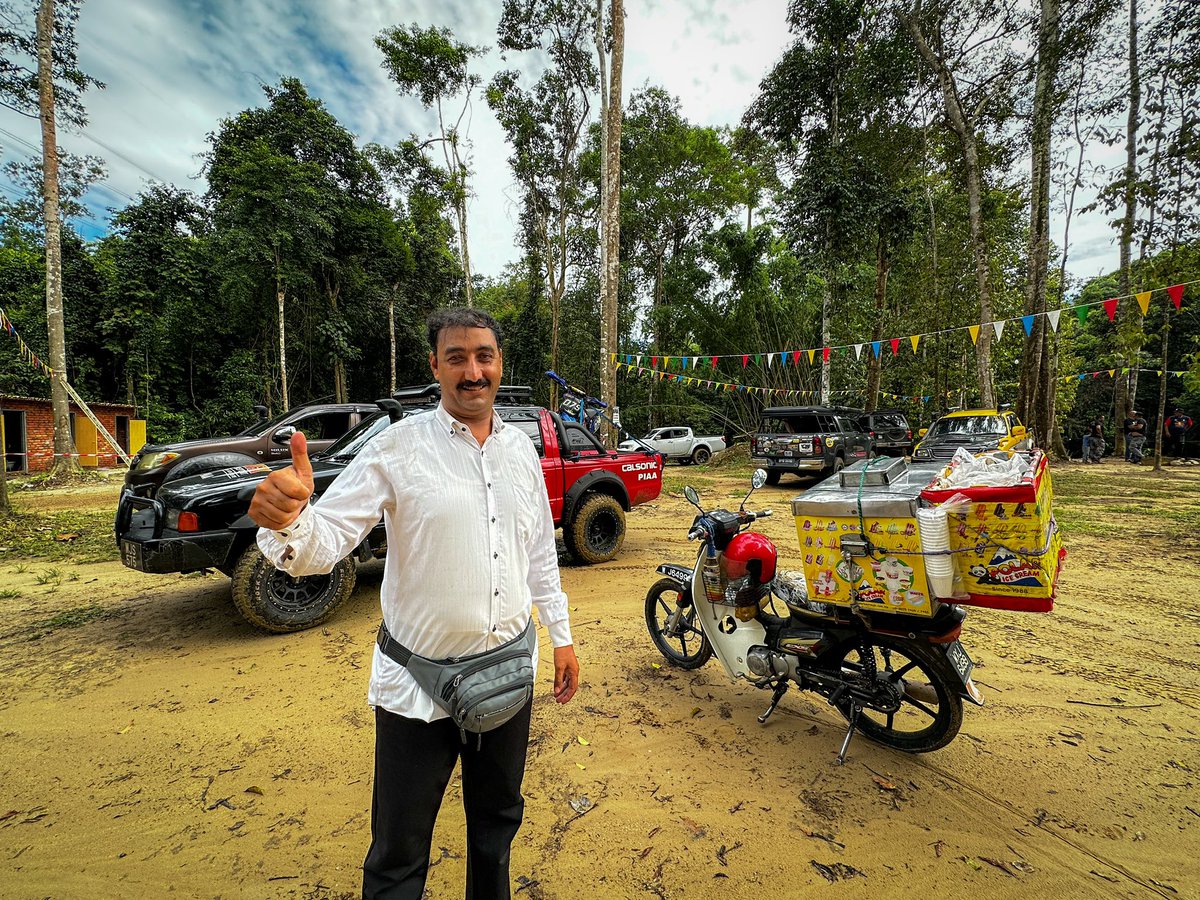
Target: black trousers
<point x="413" y="764"/>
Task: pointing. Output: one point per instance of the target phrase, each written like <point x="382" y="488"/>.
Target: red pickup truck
<point x="201" y="522"/>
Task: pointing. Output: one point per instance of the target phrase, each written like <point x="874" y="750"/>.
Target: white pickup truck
<point x="680" y="443"/>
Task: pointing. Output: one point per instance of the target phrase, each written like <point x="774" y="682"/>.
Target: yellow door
<point x="85" y="442"/>
<point x="137" y="435"/>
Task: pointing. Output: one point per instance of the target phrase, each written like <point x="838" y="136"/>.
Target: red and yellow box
<point x="1007" y="549"/>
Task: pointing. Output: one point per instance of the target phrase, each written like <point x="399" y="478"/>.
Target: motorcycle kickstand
<point x="780" y="690"/>
<point x="855" y="709"/>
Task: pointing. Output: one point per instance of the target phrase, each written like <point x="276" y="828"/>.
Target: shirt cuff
<point x="300" y="528"/>
<point x="560" y="632"/>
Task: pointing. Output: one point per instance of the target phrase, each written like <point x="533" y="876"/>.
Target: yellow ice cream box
<point x="1007" y="548"/>
<point x="873" y="504"/>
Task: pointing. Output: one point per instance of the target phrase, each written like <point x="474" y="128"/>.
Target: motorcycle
<point x="900" y="680"/>
<point x="577" y="405"/>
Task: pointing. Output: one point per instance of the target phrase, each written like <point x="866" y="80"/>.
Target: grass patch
<point x="75" y="535"/>
<point x="9" y="594"/>
<point x="68" y="618"/>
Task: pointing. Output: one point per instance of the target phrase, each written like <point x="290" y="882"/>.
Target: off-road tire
<point x="701" y="455"/>
<point x="773" y="476"/>
<point x="596" y="531"/>
<point x="838" y="465"/>
<point x="274" y="601"/>
<point x="207" y="463"/>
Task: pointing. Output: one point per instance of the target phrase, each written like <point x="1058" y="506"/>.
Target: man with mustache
<point x="471" y="549"/>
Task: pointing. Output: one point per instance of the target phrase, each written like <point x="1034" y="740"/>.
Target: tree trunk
<point x="66" y="460"/>
<point x="965" y="131"/>
<point x="612" y="207"/>
<point x="1035" y="385"/>
<point x="280" y="295"/>
<point x="1130" y="324"/>
<point x="875" y="367"/>
<point x="392" y="340"/>
<point x="1162" y="390"/>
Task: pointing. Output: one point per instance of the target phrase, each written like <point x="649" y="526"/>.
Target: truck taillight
<point x="908" y="434"/>
<point x="818" y="447"/>
<point x="188" y="521"/>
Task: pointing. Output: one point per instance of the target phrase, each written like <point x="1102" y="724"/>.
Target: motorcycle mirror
<point x="692" y="497"/>
<point x="757" y="480"/>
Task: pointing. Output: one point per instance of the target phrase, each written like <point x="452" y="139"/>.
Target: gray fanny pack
<point x="479" y="692"/>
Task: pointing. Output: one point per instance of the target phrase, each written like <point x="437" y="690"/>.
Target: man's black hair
<point x="459" y="317"/>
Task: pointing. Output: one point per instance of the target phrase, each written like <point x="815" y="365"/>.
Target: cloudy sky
<point x="174" y="68"/>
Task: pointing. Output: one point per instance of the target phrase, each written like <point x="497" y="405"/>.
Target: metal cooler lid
<point x="898" y="498"/>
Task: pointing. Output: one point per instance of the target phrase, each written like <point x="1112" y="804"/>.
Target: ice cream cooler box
<point x="1007" y="549"/>
<point x="879" y="503"/>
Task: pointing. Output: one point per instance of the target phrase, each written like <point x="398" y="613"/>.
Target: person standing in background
<point x="1175" y="429"/>
<point x="1135" y="437"/>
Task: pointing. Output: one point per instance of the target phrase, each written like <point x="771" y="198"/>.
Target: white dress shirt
<point x="470" y="544"/>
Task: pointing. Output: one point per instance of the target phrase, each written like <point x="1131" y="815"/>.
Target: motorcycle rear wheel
<point x="930" y="710"/>
<point x="685" y="645"/>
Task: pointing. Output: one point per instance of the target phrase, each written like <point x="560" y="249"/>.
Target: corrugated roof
<point x="46" y="400"/>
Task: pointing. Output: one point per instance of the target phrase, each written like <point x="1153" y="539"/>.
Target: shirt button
<point x="495" y="556"/>
<point x="497" y="593"/>
<point x="493" y="518"/>
<point x="495" y="628"/>
<point x="489" y="484"/>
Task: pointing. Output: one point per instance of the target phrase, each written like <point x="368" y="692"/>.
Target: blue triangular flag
<point x="875" y="345"/>
<point x="1027" y="321"/>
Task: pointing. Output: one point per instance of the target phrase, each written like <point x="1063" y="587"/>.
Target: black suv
<point x="808" y="440"/>
<point x="889" y="431"/>
<point x="266" y="441"/>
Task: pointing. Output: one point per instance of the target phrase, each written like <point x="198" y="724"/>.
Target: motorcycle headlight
<point x="153" y="460"/>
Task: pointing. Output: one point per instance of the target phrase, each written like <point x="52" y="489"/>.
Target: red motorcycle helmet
<point x="750" y="554"/>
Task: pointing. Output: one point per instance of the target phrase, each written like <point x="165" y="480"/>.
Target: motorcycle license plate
<point x="960" y="661"/>
<point x="131" y="554"/>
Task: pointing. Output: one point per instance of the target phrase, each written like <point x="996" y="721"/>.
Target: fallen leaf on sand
<point x="884" y="783"/>
<point x="583" y="741"/>
<point x="254" y="789"/>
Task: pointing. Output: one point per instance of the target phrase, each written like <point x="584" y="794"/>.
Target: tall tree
<point x="36" y="65"/>
<point x="431" y="64"/>
<point x="836" y="102"/>
<point x="611" y="114"/>
<point x="968" y="50"/>
<point x="545" y="125"/>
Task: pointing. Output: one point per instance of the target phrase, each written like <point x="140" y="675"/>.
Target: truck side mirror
<point x="283" y="435"/>
<point x="922" y="432"/>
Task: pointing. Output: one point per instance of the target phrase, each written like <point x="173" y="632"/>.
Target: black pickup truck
<point x="808" y="440"/>
<point x="201" y="522"/>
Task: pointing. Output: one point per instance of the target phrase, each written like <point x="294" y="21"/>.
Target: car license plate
<point x="806" y="447"/>
<point x="960" y="661"/>
<point x="131" y="554"/>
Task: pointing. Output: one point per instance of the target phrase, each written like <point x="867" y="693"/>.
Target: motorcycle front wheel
<point x="916" y="706"/>
<point x="672" y="626"/>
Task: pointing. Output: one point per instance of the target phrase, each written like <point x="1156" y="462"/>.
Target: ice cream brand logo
<point x="1008" y="569"/>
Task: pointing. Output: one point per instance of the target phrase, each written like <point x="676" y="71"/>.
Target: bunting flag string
<point x="1111" y="372"/>
<point x="625" y="365"/>
<point x="27" y="354"/>
<point x="1053" y="317"/>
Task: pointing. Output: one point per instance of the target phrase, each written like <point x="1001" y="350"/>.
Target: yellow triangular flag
<point x="1143" y="300"/>
<point x="812" y="354"/>
<point x="916" y="338"/>
<point x="974" y="329"/>
<point x="1110" y="372"/>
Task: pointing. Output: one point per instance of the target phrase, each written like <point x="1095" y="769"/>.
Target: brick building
<point x="27" y="433"/>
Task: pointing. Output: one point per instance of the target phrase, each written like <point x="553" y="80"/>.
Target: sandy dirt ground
<point x="163" y="747"/>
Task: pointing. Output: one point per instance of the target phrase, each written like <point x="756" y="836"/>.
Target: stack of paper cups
<point x="935" y="543"/>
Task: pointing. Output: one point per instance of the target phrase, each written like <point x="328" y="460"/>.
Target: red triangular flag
<point x="825" y="354"/>
<point x="1110" y="307"/>
<point x="895" y="346"/>
<point x="795" y="357"/>
<point x="1175" y="292"/>
<point x="714" y="362"/>
<point x="745" y="359"/>
<point x="654" y="361"/>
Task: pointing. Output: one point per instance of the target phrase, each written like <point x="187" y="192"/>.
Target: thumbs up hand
<point x="280" y="499"/>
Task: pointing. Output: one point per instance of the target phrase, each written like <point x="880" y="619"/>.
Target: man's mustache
<point x="468" y="385"/>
